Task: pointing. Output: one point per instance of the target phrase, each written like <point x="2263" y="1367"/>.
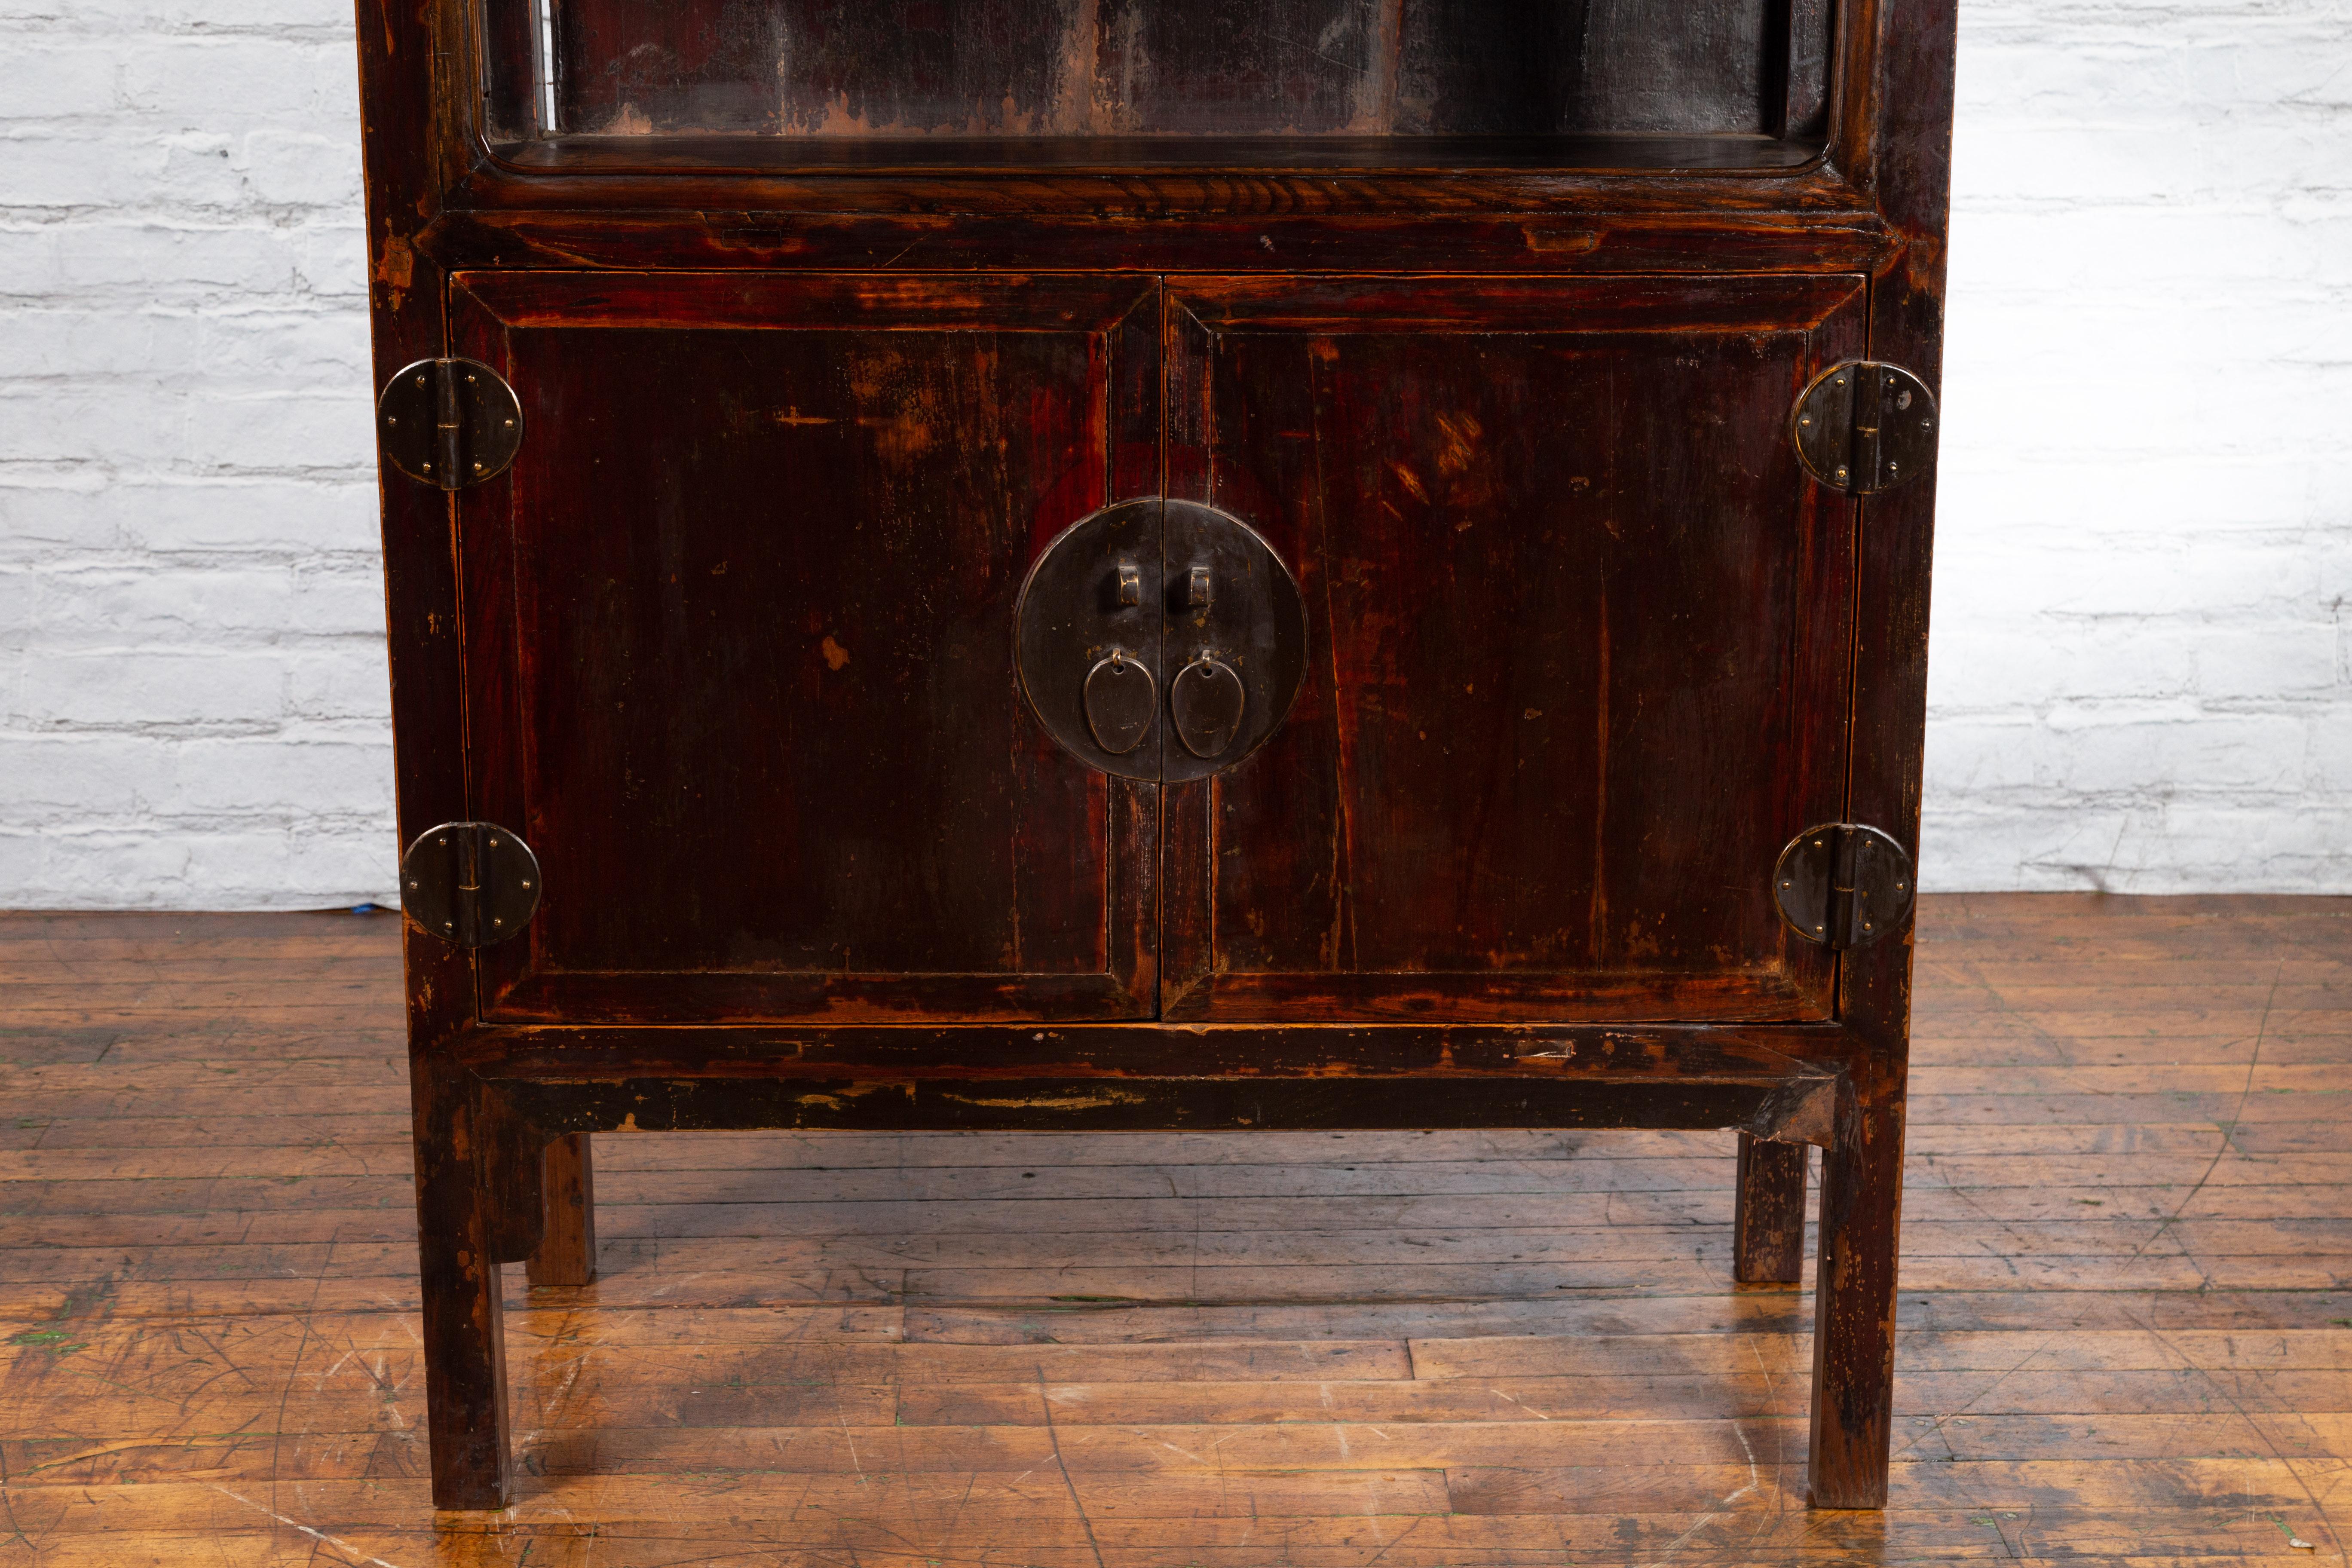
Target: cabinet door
<point x="739" y="645"/>
<point x="1579" y="646"/>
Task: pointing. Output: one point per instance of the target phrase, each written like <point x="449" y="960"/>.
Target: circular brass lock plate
<point x="1160" y="640"/>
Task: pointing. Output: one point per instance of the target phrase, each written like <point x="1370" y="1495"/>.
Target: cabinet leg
<point x="465" y="1343"/>
<point x="1768" y="1215"/>
<point x="566" y="1253"/>
<point x="1853" y="1304"/>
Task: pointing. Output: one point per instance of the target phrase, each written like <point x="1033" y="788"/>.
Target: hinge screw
<point x="478" y="467"/>
<point x="1891" y="468"/>
<point x="420" y="380"/>
<point x="526" y="883"/>
<point x="1840" y="471"/>
<point x="392" y="418"/>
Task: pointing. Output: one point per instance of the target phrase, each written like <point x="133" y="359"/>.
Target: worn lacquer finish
<point x="740" y="620"/>
<point x="566" y="1253"/>
<point x="825" y="319"/>
<point x="1556" y="551"/>
<point x="1768" y="1246"/>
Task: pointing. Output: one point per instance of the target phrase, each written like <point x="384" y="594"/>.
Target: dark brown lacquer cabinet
<point x="1208" y="564"/>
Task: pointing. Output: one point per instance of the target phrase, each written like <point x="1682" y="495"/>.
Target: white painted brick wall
<point x="193" y="699"/>
<point x="2141" y="678"/>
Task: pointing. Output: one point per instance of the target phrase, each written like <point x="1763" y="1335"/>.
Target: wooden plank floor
<point x="2127" y="1265"/>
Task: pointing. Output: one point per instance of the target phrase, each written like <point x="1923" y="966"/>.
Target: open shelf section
<point x="771" y="84"/>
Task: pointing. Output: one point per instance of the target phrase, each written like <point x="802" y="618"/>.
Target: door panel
<point x="738" y="630"/>
<point x="1578" y="650"/>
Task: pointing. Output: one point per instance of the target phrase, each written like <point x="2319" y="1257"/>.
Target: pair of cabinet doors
<point x="738" y="626"/>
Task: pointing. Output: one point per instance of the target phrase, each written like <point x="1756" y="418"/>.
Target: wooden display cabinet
<point x="1216" y="564"/>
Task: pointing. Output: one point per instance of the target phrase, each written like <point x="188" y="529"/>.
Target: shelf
<point x="770" y="156"/>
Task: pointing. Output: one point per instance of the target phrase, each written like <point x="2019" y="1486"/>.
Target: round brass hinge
<point x="448" y="422"/>
<point x="1863" y="426"/>
<point x="1843" y="884"/>
<point x="470" y="883"/>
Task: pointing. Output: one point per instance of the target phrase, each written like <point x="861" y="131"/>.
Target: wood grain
<point x="1523" y="629"/>
<point x="778" y="651"/>
<point x="2122" y="1338"/>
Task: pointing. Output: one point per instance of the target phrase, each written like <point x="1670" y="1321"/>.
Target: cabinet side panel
<point x="407" y="157"/>
<point x="1901" y="110"/>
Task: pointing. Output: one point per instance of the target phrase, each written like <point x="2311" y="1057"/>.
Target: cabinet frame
<point x="499" y="1109"/>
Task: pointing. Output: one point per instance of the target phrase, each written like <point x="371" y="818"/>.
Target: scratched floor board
<point x="694" y="1407"/>
<point x="1944" y="1218"/>
<point x="1222" y="1266"/>
<point x="1273" y="1541"/>
<point x="2127" y="1321"/>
